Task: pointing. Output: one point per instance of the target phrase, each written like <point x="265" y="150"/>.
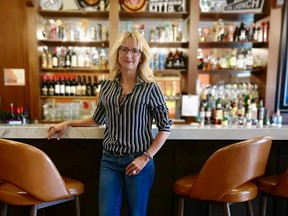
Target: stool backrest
<point x="230" y="167"/>
<point x="30" y="169"/>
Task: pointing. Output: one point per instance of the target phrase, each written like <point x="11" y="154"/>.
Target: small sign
<point x="167" y="6"/>
<point x="51" y="4"/>
<point x="190" y="105"/>
<point x="14" y="77"/>
<point x="231" y="6"/>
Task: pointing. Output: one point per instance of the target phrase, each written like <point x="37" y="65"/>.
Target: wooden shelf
<point x="169" y="44"/>
<point x="152" y="15"/>
<point x="236" y="71"/>
<point x="169" y="72"/>
<point x="228" y="44"/>
<point x="74" y="13"/>
<point x="78" y="70"/>
<point x="237" y="17"/>
<point x="74" y="43"/>
<point x="68" y="97"/>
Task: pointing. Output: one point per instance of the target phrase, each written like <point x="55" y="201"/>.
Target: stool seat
<point x="274" y="186"/>
<point x="266" y="184"/>
<point x="14" y="195"/>
<point x="243" y="193"/>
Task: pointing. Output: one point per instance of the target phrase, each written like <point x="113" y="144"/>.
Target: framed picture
<point x="14" y="77"/>
<point x="282" y="93"/>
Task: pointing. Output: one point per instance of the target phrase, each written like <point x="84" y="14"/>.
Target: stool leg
<point x="4" y="209"/>
<point x="249" y="208"/>
<point x="33" y="211"/>
<point x="209" y="209"/>
<point x="181" y="206"/>
<point x="263" y="204"/>
<point x="226" y="209"/>
<point x="77" y="205"/>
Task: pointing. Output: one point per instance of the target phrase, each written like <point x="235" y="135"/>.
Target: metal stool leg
<point x="226" y="209"/>
<point x="263" y="205"/>
<point x="4" y="209"/>
<point x="181" y="206"/>
<point x="33" y="211"/>
<point x="249" y="208"/>
<point x="77" y="205"/>
<point x="209" y="209"/>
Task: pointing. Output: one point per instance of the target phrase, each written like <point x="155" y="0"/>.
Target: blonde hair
<point x="144" y="69"/>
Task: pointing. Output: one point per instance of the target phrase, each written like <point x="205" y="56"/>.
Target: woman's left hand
<point x="136" y="165"/>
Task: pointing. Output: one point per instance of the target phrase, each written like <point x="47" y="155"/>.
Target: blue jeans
<point x="114" y="182"/>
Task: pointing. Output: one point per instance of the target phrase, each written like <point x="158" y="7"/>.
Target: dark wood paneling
<point x="13" y="51"/>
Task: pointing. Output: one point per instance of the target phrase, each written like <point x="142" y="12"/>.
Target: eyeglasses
<point x="134" y="52"/>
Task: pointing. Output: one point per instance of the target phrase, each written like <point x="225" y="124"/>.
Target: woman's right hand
<point x="58" y="128"/>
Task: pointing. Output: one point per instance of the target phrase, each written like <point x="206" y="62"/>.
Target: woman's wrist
<point x="147" y="155"/>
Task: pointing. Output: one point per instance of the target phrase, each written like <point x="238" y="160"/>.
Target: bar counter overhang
<point x="78" y="153"/>
<point x="178" y="132"/>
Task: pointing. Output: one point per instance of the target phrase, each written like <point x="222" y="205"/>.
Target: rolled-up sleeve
<point x="160" y="110"/>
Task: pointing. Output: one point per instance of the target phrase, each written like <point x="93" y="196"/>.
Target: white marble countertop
<point x="178" y="132"/>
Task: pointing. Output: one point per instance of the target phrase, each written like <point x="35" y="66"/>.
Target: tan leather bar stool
<point x="272" y="185"/>
<point x="225" y="176"/>
<point x="31" y="179"/>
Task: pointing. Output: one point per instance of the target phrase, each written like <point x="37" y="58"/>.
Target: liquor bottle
<point x="240" y="112"/>
<point x="62" y="86"/>
<point x="68" y="59"/>
<point x="55" y="60"/>
<point x="233" y="59"/>
<point x="74" y="59"/>
<point x="57" y="86"/>
<point x="44" y="86"/>
<point x="11" y="114"/>
<point x="51" y="86"/>
<point x="103" y="59"/>
<point x="44" y="58"/>
<point x="83" y="86"/>
<point x="89" y="89"/>
<point x="73" y="86"/>
<point x="277" y="119"/>
<point x="242" y="33"/>
<point x="95" y="86"/>
<point x="49" y="60"/>
<point x="249" y="60"/>
<point x="67" y="86"/>
<point x="261" y="113"/>
<point x="218" y="112"/>
<point x="95" y="59"/>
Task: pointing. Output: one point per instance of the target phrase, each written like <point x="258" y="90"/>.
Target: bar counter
<point x="78" y="155"/>
<point x="178" y="132"/>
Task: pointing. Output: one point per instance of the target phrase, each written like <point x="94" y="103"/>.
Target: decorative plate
<point x="89" y="3"/>
<point x="51" y="5"/>
<point x="133" y="5"/>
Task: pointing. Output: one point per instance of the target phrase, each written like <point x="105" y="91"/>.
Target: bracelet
<point x="147" y="154"/>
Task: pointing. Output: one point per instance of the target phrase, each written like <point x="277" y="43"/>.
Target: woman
<point x="128" y="103"/>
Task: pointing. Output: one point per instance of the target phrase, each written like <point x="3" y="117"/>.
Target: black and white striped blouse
<point x="129" y="123"/>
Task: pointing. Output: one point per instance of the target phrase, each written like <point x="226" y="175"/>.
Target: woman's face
<point x="129" y="55"/>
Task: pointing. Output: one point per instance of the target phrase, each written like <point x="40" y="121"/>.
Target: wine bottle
<point x="78" y="86"/>
<point x="74" y="59"/>
<point x="68" y="86"/>
<point x="95" y="86"/>
<point x="44" y="87"/>
<point x="68" y="59"/>
<point x="57" y="86"/>
<point x="62" y="86"/>
<point x="73" y="86"/>
<point x="83" y="86"/>
<point x="55" y="60"/>
<point x="44" y="58"/>
<point x="51" y="86"/>
<point x="89" y="87"/>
